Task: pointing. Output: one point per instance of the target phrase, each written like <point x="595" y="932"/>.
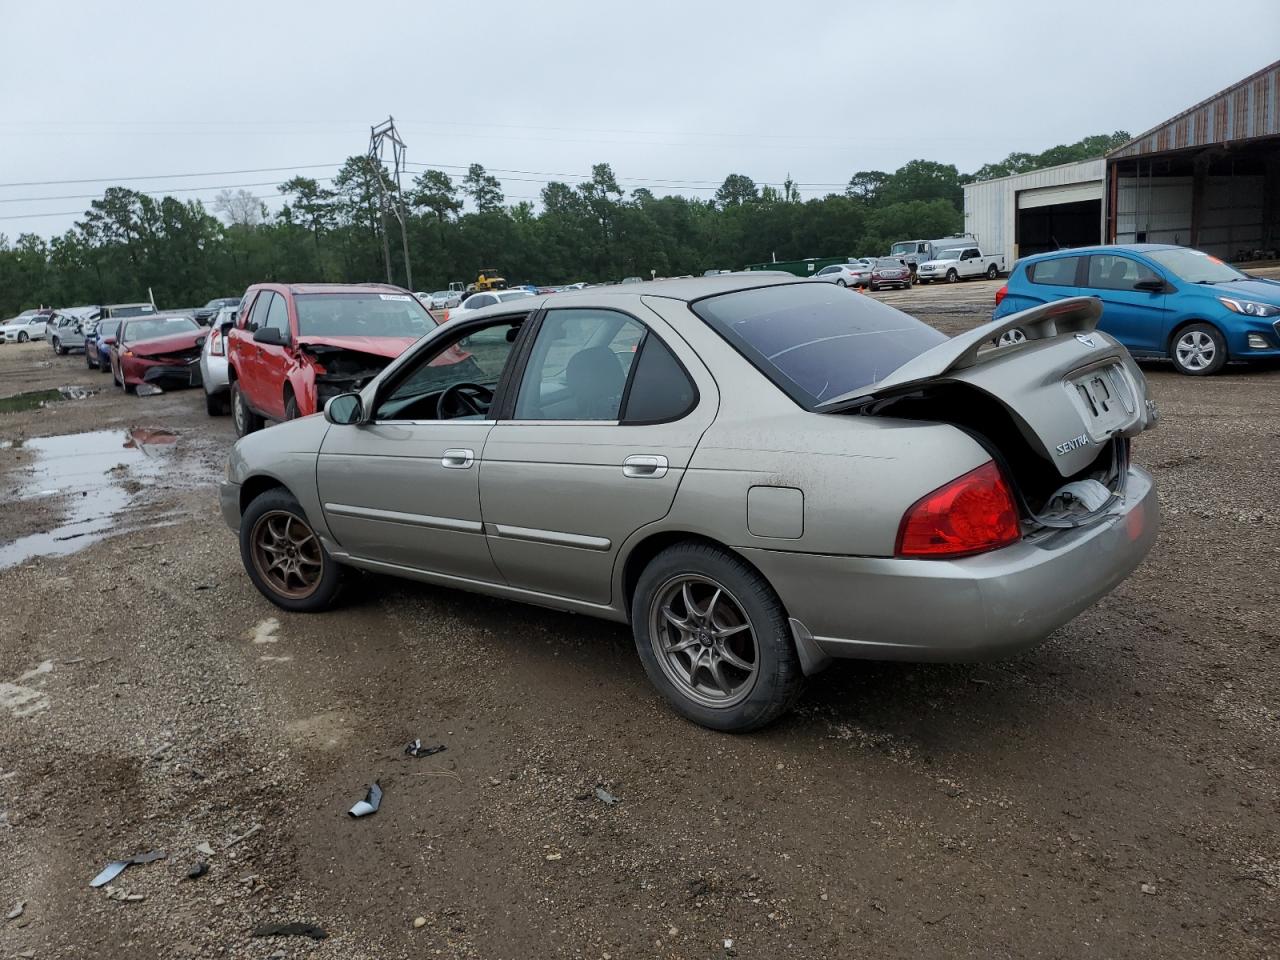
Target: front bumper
<point x="968" y="609"/>
<point x="168" y="375"/>
<point x="229" y="501"/>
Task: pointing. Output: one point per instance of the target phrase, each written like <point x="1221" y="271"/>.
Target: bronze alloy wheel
<point x="704" y="641"/>
<point x="286" y="554"/>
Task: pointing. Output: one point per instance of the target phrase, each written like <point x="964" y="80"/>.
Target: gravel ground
<point x="1112" y="793"/>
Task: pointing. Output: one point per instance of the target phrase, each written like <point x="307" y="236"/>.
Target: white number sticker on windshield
<point x="395" y="296"/>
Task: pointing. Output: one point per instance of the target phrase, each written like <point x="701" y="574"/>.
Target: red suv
<point x="295" y="346"/>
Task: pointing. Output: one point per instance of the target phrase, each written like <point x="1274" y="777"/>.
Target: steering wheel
<point x="466" y="397"/>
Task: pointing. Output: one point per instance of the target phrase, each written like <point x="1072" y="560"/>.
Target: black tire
<point x="777" y="680"/>
<point x="215" y="404"/>
<point x="246" y="421"/>
<point x="88" y="361"/>
<point x="840" y="282"/>
<point x="1198" y="350"/>
<point x="992" y="272"/>
<point x="104" y="368"/>
<point x="114" y="379"/>
<point x="22" y="337"/>
<point x="875" y="287"/>
<point x="269" y="507"/>
<point x="952" y="275"/>
<point x="58" y="348"/>
<point x="290" y="406"/>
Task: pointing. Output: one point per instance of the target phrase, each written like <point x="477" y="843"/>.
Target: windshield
<point x="138" y="311"/>
<point x="441" y="294"/>
<point x="951" y="254"/>
<point x="815" y="341"/>
<point x="159" y="327"/>
<point x="898" y="249"/>
<point x="1195" y="266"/>
<point x="362" y="315"/>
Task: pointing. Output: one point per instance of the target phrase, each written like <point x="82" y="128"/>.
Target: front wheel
<point x="714" y="638"/>
<point x="243" y="418"/>
<point x="284" y="557"/>
<point x="875" y="288"/>
<point x="1198" y="350"/>
<point x="58" y="348"/>
<point x="992" y="272"/>
<point x="952" y="275"/>
<point x="23" y="338"/>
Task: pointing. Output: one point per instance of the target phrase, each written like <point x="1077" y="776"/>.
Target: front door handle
<point x="645" y="466"/>
<point x="458" y="459"/>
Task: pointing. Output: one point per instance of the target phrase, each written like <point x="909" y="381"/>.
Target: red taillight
<point x="971" y="514"/>
<point x="1001" y="294"/>
<point x="215" y="343"/>
<point x="446" y="317"/>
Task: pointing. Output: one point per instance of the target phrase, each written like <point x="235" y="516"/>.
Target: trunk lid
<point x="1068" y="388"/>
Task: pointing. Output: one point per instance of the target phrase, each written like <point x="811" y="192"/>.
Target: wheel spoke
<point x="684" y="643"/>
<point x="722" y="632"/>
<point x="710" y="614"/>
<point x="686" y="593"/>
<point x="717" y="674"/>
<point x="733" y="660"/>
<point x="671" y="618"/>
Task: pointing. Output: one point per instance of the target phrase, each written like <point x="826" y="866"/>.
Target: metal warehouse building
<point x="1207" y="178"/>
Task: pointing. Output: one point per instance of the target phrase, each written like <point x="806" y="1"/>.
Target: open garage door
<point x="1054" y="225"/>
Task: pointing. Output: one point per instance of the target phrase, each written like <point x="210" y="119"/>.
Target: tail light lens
<point x="215" y="343"/>
<point x="446" y="317"/>
<point x="1002" y="293"/>
<point x="971" y="514"/>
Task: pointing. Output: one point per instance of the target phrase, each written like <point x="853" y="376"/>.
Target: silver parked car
<point x="213" y="362"/>
<point x="28" y="325"/>
<point x="757" y="472"/>
<point x="852" y="274"/>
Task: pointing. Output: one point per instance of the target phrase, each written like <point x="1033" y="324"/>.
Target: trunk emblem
<point x="1075" y="443"/>
<point x="1086" y="339"/>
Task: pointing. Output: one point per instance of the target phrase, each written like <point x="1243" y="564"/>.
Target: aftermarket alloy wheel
<point x="714" y="638"/>
<point x="1198" y="350"/>
<point x="242" y="417"/>
<point x="284" y="557"/>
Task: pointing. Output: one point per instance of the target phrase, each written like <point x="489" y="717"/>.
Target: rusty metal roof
<point x="1244" y="111"/>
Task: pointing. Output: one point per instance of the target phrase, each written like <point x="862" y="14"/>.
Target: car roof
<point x="306" y="288"/>
<point x="1105" y="248"/>
<point x="687" y="289"/>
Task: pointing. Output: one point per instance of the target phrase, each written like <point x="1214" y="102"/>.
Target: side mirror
<point x="1151" y="286"/>
<point x="226" y="327"/>
<point x="270" y="335"/>
<point x="344" y="409"/>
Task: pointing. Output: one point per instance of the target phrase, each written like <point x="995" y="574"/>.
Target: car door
<point x="247" y="357"/>
<point x="273" y="360"/>
<point x="971" y="263"/>
<point x="402" y="488"/>
<point x="601" y="428"/>
<point x="1136" y="317"/>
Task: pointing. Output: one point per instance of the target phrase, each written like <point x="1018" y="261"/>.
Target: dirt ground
<point x="1112" y="793"/>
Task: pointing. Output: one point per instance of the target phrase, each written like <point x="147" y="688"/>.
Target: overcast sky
<point x="664" y="91"/>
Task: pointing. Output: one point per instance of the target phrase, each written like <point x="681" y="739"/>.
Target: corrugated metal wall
<point x="991" y="206"/>
<point x="1158" y="210"/>
<point x="1244" y="111"/>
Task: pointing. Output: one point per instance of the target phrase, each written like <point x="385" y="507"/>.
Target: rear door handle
<point x="645" y="467"/>
<point x="458" y="458"/>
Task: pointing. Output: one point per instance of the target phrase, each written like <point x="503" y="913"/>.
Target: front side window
<point x="814" y="342"/>
<point x="257" y="314"/>
<point x="278" y="315"/>
<point x="1110" y="272"/>
<point x="579" y="365"/>
<point x="455" y="379"/>
<point x="1060" y="272"/>
<point x="361" y="315"/>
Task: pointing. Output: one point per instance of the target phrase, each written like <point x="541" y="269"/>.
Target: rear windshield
<point x="137" y="330"/>
<point x="362" y="315"/>
<point x="815" y="340"/>
<point x="138" y="311"/>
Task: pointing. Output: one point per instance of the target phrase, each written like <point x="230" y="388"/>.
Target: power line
<point x="167" y="176"/>
<point x="156" y="193"/>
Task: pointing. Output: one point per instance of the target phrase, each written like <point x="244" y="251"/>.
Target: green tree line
<point x="129" y="242"/>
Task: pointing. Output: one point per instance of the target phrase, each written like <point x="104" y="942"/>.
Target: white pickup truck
<point x="960" y="263"/>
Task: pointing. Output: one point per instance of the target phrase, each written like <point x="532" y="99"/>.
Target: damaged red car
<point x="293" y="347"/>
<point x="159" y="350"/>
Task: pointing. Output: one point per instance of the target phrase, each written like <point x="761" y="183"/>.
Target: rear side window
<point x="660" y="390"/>
<point x="813" y="340"/>
<point x="1060" y="272"/>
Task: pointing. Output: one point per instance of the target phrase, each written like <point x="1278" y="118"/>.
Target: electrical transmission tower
<point x="379" y="136"/>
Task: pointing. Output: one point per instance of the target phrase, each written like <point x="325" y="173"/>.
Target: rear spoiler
<point x="1074" y="315"/>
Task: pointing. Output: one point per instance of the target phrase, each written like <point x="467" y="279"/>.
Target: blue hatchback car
<point x="97" y="346"/>
<point x="1159" y="301"/>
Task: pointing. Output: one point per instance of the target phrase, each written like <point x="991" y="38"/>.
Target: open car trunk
<point x="1054" y="401"/>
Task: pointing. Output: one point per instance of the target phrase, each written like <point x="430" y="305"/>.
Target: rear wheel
<point x="952" y="275"/>
<point x="284" y="557"/>
<point x="714" y="638"/>
<point x="1198" y="350"/>
<point x="88" y="359"/>
<point x="992" y="272"/>
<point x="840" y="282"/>
<point x="215" y="404"/>
<point x="244" y="419"/>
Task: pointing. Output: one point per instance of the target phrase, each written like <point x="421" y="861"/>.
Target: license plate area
<point x="1105" y="399"/>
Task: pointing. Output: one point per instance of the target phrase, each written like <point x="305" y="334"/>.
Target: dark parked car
<point x="888" y="272"/>
<point x="204" y="315"/>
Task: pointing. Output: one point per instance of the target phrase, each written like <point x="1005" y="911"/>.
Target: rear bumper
<point x="967" y="609"/>
<point x="213" y="374"/>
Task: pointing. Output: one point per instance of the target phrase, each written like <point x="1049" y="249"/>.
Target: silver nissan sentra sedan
<point x="756" y="472"/>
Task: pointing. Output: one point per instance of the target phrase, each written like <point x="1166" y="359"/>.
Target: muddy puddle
<point x="34" y="399"/>
<point x="94" y="479"/>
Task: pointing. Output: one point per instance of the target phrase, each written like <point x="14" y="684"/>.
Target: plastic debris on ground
<point x="117" y="867"/>
<point x="290" y="930"/>
<point x="605" y="796"/>
<point x="416" y="749"/>
<point x="369" y="804"/>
